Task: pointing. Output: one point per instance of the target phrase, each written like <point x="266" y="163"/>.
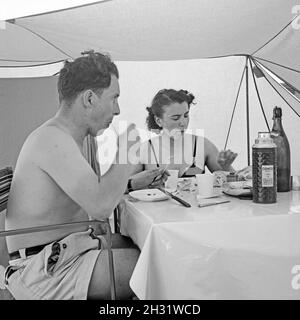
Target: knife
<point x="184" y="203"/>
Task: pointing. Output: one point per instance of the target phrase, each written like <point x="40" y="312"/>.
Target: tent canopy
<point x="148" y="30"/>
<point x="143" y="30"/>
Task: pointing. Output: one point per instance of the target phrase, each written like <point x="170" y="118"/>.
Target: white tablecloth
<point x="237" y="250"/>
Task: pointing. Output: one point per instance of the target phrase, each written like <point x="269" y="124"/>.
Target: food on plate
<point x="245" y="173"/>
<point x="185" y="184"/>
<point x="220" y="178"/>
<point x="238" y="188"/>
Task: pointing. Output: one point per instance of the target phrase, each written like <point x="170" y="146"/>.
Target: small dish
<point x="238" y="184"/>
<point x="238" y="192"/>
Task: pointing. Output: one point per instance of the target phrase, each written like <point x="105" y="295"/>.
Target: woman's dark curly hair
<point x="91" y="71"/>
<point x="165" y="97"/>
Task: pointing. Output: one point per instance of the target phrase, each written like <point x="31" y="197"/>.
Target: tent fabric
<point x="281" y="55"/>
<point x="288" y="97"/>
<point x="33" y="51"/>
<point x="143" y="30"/>
<point x="25" y="104"/>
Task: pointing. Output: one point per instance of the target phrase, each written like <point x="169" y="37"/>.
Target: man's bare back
<point x="35" y="198"/>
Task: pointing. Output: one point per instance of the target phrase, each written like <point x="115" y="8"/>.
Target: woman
<point x="174" y="147"/>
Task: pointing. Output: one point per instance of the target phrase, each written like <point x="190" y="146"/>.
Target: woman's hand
<point x="226" y="158"/>
<point x="152" y="177"/>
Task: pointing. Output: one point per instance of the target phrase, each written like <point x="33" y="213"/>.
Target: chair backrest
<point x="6" y="175"/>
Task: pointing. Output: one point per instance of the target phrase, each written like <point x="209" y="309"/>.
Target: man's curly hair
<point x="92" y="70"/>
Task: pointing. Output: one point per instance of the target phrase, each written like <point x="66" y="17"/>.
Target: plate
<point x="238" y="188"/>
<point x="149" y="195"/>
<point x="238" y="192"/>
<point x="238" y="185"/>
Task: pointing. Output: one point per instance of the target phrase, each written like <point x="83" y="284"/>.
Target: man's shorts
<point x="61" y="271"/>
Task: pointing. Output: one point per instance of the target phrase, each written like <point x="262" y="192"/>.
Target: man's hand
<point x="153" y="177"/>
<point x="226" y="158"/>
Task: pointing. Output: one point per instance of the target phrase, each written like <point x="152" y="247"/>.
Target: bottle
<point x="283" y="152"/>
<point x="264" y="169"/>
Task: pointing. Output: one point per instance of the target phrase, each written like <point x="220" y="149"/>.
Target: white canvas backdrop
<point x="214" y="82"/>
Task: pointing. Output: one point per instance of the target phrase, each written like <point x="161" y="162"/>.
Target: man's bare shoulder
<point x="48" y="145"/>
<point x="47" y="137"/>
<point x="50" y="132"/>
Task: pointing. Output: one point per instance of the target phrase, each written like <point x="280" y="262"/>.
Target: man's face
<point x="105" y="107"/>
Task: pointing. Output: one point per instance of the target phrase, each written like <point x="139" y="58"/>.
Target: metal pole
<point x="247" y="111"/>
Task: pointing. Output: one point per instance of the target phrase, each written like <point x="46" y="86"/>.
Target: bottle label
<point x="267" y="175"/>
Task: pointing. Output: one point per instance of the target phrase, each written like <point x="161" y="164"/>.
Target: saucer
<point x="238" y="188"/>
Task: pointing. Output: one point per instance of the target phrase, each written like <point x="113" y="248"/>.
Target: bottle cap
<point x="264" y="135"/>
<point x="277" y="112"/>
<point x="264" y="138"/>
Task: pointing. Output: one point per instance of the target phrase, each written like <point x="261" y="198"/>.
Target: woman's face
<point x="175" y="116"/>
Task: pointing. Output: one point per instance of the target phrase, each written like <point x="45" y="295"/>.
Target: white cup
<point x="171" y="182"/>
<point x="205" y="184"/>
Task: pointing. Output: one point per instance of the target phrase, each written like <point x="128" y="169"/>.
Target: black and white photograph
<point x="150" y="151"/>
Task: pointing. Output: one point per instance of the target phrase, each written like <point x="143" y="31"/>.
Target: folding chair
<point x="6" y="175"/>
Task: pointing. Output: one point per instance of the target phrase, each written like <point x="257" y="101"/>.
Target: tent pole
<point x="247" y="110"/>
<point x="258" y="95"/>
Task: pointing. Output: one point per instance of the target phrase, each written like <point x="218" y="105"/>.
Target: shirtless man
<point x="53" y="183"/>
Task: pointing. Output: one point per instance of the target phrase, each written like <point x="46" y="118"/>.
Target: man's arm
<point x="57" y="154"/>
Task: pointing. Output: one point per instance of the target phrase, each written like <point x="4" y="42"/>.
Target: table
<point x="237" y="250"/>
